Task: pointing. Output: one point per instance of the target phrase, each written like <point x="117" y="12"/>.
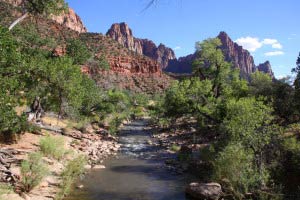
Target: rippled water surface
<point x="137" y="173"/>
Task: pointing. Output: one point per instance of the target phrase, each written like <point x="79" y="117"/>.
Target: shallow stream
<point x="137" y="173"/>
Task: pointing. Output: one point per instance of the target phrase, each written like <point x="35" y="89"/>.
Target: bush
<point x="53" y="147"/>
<point x="72" y="171"/>
<point x="33" y="171"/>
<point x="235" y="165"/>
<point x="175" y="148"/>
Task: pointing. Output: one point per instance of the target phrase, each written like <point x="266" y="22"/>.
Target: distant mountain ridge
<point x="235" y="54"/>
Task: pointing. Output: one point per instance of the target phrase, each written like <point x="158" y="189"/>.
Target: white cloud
<point x="269" y="41"/>
<point x="249" y="43"/>
<point x="274" y="53"/>
<point x="177" y="48"/>
<point x="253" y="43"/>
<point x="275" y="44"/>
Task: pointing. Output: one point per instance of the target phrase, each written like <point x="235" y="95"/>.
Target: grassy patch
<point x="53" y="147"/>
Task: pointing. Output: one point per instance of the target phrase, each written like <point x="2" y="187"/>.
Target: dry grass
<point x="63" y="123"/>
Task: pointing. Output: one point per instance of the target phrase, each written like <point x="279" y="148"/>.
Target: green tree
<point x="248" y="121"/>
<point x="64" y="84"/>
<point x="40" y="7"/>
<point x="260" y="84"/>
<point x="211" y="64"/>
<point x="11" y="85"/>
<point x="78" y="51"/>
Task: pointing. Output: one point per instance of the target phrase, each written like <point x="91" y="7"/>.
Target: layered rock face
<point x="236" y="55"/>
<point x="68" y="19"/>
<point x="123" y="35"/>
<point x="266" y="68"/>
<point x="133" y="65"/>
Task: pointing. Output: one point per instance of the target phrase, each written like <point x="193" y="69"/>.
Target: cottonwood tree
<point x="211" y="64"/>
<point x="40" y="7"/>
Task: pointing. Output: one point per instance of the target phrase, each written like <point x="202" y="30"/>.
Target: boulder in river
<point x="204" y="191"/>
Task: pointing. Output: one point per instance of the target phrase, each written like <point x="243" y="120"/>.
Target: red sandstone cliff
<point x="123" y="35"/>
<point x="235" y="54"/>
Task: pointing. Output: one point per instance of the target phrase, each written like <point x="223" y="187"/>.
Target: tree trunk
<point x="20" y="19"/>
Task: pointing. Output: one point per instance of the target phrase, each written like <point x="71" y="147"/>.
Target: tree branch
<point x="20" y="19"/>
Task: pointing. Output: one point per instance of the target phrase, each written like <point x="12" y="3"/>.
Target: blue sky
<point x="270" y="29"/>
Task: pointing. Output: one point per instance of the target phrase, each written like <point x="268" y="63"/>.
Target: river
<point x="138" y="172"/>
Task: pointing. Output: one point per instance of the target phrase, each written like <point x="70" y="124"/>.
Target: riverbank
<point x="91" y="140"/>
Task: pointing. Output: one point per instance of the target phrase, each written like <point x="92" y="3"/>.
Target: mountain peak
<point x="123" y="35"/>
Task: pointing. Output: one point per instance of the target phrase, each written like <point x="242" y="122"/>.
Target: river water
<point x="137" y="173"/>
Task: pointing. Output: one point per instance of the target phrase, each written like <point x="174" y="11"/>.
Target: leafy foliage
<point x="260" y="84"/>
<point x="234" y="165"/>
<point x="33" y="171"/>
<point x="74" y="168"/>
<point x="45" y="7"/>
<point x="78" y="51"/>
<point x="11" y="86"/>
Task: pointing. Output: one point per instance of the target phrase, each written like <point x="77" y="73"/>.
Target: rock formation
<point x="71" y="20"/>
<point x="235" y="54"/>
<point x="181" y="65"/>
<point x="123" y="35"/>
<point x="266" y="68"/>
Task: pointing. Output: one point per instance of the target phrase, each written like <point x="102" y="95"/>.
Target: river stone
<point x="99" y="167"/>
<point x="204" y="191"/>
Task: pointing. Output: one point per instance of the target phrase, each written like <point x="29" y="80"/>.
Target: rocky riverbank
<point x="91" y="140"/>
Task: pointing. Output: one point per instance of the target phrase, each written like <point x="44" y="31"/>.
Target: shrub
<point x="33" y="171"/>
<point x="235" y="165"/>
<point x="138" y="112"/>
<point x="53" y="146"/>
<point x="175" y="148"/>
<point x="72" y="171"/>
<point x="78" y="51"/>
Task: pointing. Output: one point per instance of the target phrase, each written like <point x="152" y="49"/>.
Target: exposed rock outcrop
<point x="235" y="54"/>
<point x="134" y="65"/>
<point x="266" y="68"/>
<point x="123" y="35"/>
<point x="71" y="20"/>
<point x="68" y="19"/>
